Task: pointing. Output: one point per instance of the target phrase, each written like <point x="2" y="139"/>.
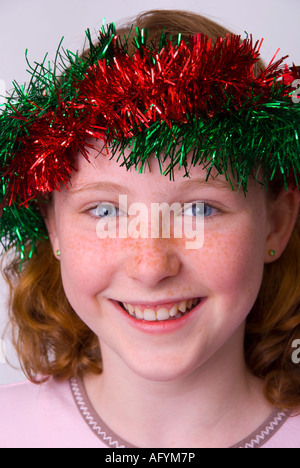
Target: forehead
<point x="102" y="167"/>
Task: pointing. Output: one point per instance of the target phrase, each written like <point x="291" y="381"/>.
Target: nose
<point x="152" y="261"/>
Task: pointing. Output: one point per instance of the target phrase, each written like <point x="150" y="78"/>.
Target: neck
<point x="220" y="393"/>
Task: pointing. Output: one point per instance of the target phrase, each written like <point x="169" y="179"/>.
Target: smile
<point x="160" y="313"/>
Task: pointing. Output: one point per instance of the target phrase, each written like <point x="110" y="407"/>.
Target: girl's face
<point x="99" y="273"/>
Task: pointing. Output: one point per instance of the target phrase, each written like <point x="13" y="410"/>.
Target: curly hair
<point x="274" y="323"/>
<point x="49" y="337"/>
<point x="51" y="340"/>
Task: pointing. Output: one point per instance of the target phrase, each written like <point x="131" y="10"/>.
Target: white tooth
<point x="130" y="308"/>
<point x="162" y="314"/>
<point x="149" y="315"/>
<point x="138" y="313"/>
<point x="182" y="306"/>
<point x="173" y="311"/>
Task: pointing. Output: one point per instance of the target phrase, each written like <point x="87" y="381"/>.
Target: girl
<point x="145" y="341"/>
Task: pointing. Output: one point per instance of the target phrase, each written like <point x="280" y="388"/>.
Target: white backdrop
<point x="38" y="25"/>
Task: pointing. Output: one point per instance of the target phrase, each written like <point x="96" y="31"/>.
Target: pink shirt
<point x="60" y="415"/>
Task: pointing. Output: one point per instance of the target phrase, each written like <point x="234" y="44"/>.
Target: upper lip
<point x="163" y="301"/>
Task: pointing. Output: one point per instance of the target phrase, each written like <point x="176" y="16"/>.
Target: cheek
<point x="231" y="261"/>
<point x="89" y="264"/>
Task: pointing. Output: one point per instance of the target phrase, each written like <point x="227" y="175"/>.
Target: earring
<point x="272" y="252"/>
<point x="58" y="253"/>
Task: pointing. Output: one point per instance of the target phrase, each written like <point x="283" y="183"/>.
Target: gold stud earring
<point x="272" y="252"/>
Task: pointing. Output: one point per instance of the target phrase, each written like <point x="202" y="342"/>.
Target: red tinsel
<point x="123" y="97"/>
<point x="198" y="79"/>
<point x="291" y="74"/>
<point x="48" y="154"/>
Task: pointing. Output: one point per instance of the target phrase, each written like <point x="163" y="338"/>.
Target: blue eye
<point x="104" y="210"/>
<point x="209" y="210"/>
<point x="200" y="209"/>
<point x="107" y="210"/>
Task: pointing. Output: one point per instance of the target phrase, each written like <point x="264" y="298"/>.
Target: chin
<point x="166" y="371"/>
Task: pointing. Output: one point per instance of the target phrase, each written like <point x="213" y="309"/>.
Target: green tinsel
<point x="237" y="140"/>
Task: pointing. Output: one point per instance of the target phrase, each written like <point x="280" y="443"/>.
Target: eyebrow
<point x="122" y="189"/>
<point x="211" y="182"/>
<point x="101" y="186"/>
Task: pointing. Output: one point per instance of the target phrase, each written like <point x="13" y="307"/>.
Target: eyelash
<point x="206" y="204"/>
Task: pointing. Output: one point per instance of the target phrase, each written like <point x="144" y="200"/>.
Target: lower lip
<point x="158" y="327"/>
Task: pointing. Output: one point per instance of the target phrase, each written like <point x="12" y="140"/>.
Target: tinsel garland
<point x="169" y="101"/>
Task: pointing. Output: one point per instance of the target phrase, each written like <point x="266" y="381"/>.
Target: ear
<point x="283" y="213"/>
<point x="47" y="209"/>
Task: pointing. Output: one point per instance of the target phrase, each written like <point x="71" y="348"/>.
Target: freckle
<point x="137" y="260"/>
